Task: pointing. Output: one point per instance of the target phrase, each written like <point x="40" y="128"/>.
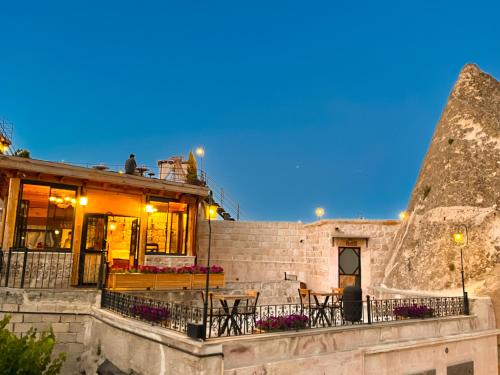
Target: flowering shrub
<point x="414" y="311"/>
<point x="279" y="323"/>
<point x="154" y="269"/>
<point x="149" y="313"/>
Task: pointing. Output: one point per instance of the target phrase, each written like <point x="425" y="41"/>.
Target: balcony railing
<point x="244" y="319"/>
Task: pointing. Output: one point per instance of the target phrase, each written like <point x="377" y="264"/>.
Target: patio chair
<point x="215" y="314"/>
<point x="249" y="310"/>
<point x="305" y="303"/>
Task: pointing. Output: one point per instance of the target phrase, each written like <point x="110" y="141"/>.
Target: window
<point x="167" y="227"/>
<point x="45" y="216"/>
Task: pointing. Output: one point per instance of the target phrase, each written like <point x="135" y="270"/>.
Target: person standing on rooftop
<point x="130" y="165"/>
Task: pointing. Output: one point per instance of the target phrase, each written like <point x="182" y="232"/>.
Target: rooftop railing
<point x="245" y="319"/>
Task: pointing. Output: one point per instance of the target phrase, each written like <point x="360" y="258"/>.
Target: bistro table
<point x="322" y="307"/>
<point x="231" y="313"/>
<point x="142" y="169"/>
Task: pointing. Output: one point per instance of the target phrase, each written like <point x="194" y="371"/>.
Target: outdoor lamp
<point x="320" y="212"/>
<point x="212" y="212"/>
<point x="84" y="201"/>
<point x="462" y="240"/>
<point x="150" y="209"/>
<point x="112" y="225"/>
<point x="200" y="151"/>
<point x="4" y="144"/>
<point x="403" y="215"/>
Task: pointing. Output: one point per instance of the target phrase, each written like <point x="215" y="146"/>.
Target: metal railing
<point x="243" y="319"/>
<point x="39" y="269"/>
<point x="169" y="315"/>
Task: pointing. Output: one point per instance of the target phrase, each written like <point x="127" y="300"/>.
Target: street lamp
<point x="207" y="280"/>
<point x="403" y="215"/>
<point x="461" y="238"/>
<point x="200" y="151"/>
<point x="320" y="212"/>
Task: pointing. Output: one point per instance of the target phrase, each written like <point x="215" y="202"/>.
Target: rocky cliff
<point x="458" y="186"/>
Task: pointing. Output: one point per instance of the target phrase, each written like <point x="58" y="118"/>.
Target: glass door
<point x="113" y="239"/>
<point x="349" y="266"/>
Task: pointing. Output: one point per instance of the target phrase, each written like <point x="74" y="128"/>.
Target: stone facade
<point x="264" y="251"/>
<point x="168" y="261"/>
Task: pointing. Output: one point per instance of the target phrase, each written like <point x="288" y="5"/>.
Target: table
<point x="142" y="169"/>
<point x="230" y="321"/>
<point x="321" y="307"/>
<point x="100" y="167"/>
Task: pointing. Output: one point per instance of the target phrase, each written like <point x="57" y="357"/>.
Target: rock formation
<point x="458" y="184"/>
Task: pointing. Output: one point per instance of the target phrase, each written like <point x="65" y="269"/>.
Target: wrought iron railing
<point x="242" y="318"/>
<point x="38" y="269"/>
<point x="169" y="315"/>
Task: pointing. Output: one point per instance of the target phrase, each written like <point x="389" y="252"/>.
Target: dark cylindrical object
<point x="352" y="303"/>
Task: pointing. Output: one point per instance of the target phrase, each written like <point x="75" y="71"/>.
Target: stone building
<point x="59" y="221"/>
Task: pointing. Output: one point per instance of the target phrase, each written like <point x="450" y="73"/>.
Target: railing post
<point x="25" y="259"/>
<point x="369" y="309"/>
<point x="466" y="303"/>
<point x="9" y="258"/>
<point x="101" y="282"/>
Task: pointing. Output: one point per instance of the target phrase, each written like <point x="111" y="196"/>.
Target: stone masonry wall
<point x="67" y="313"/>
<point x="264" y="251"/>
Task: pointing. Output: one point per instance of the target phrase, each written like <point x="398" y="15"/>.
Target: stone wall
<point x="67" y="313"/>
<point x="168" y="260"/>
<point x="264" y="251"/>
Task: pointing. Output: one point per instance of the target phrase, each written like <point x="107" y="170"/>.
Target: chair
<point x="337" y="294"/>
<point x="305" y="303"/>
<point x="215" y="315"/>
<point x="250" y="308"/>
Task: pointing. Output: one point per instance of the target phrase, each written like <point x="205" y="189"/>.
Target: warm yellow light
<point x="52" y="199"/>
<point x="84" y="201"/>
<point x="320" y="212"/>
<point x="200" y="151"/>
<point x="212" y="212"/>
<point x="59" y="200"/>
<point x="112" y="225"/>
<point x="67" y="199"/>
<point x="121" y="172"/>
<point x="73" y="200"/>
<point x="56" y="232"/>
<point x="150" y="209"/>
<point x="403" y="215"/>
<point x="458" y="237"/>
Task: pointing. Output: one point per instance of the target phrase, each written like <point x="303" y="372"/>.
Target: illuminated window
<point x="167" y="227"/>
<point x="45" y="216"/>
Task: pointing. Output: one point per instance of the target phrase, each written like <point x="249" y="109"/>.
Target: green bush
<point x="29" y="355"/>
<point x="192" y="169"/>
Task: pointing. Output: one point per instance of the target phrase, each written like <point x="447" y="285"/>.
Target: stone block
<point x="32" y="318"/>
<point x="60" y="327"/>
<point x="51" y="318"/>
<point x="65" y="337"/>
<point x="68" y="318"/>
<point x="21" y="327"/>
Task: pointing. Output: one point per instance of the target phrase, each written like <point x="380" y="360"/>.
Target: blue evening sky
<point x="299" y="104"/>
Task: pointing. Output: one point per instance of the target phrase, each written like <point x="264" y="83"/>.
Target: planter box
<point x="162" y="281"/>
<point x="131" y="281"/>
<point x="216" y="280"/>
<point x="172" y="281"/>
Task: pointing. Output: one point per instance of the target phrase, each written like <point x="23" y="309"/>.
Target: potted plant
<point x="413" y="312"/>
<point x="282" y="323"/>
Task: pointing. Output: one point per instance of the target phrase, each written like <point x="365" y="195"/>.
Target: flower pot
<point x="131" y="281"/>
<point x="166" y="281"/>
<point x="216" y="280"/>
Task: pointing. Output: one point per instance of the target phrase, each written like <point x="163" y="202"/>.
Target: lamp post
<point x="320" y="212"/>
<point x="200" y="151"/>
<point x="458" y="237"/>
<point x="205" y="300"/>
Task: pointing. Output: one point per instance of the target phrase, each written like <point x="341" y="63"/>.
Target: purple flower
<point x="150" y="313"/>
<point x="276" y="323"/>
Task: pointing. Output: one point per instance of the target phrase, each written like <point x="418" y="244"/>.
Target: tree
<point x="29" y="355"/>
<point x="192" y="169"/>
<point x="22" y="153"/>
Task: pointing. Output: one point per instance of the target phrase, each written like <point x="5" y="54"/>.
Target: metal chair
<point x="249" y="310"/>
<point x="215" y="315"/>
<point x="305" y="303"/>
